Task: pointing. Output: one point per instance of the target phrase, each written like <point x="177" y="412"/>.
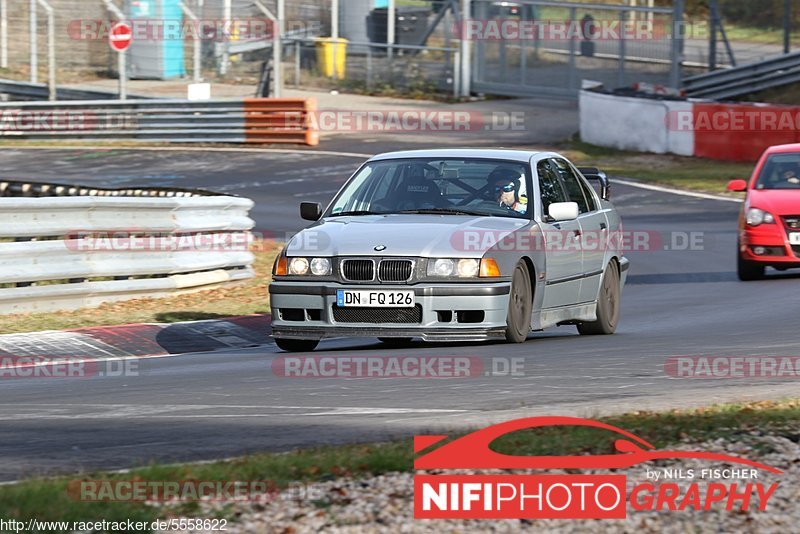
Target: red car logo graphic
<point x="473" y="450"/>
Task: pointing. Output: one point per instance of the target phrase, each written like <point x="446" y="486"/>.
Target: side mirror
<point x="563" y="211"/>
<point x="593" y="173"/>
<point x="737" y="185"/>
<point x="310" y="211"/>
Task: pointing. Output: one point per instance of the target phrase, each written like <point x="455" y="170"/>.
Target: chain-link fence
<point x="737" y="32"/>
<point x="556" y="44"/>
<point x="548" y="47"/>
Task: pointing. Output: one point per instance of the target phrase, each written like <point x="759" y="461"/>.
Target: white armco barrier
<point x="636" y="124"/>
<point x="60" y="253"/>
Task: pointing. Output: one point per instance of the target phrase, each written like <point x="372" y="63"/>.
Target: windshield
<point x="450" y="186"/>
<point x="781" y="171"/>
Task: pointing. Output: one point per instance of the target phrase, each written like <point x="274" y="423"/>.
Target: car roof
<point x="481" y="153"/>
<point x="782" y="149"/>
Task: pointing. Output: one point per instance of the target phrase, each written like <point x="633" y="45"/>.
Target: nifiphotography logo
<point x="572" y="496"/>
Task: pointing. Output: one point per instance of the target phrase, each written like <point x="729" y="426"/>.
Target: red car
<point x="769" y="224"/>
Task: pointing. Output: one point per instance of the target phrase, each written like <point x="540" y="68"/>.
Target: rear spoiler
<point x="593" y="173"/>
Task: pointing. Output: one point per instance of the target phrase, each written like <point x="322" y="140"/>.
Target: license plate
<point x="375" y="299"/>
<point x="794" y="238"/>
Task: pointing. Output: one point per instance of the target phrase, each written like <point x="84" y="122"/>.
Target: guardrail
<point x="40" y="91"/>
<point x="67" y="247"/>
<point x="737" y="81"/>
<point x="249" y="120"/>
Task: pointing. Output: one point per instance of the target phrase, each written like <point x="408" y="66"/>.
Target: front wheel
<point x="520" y="302"/>
<point x="748" y="270"/>
<point x="607" y="305"/>
<point x="296" y="345"/>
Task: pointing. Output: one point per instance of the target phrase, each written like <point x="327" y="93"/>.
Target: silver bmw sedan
<point x="453" y="245"/>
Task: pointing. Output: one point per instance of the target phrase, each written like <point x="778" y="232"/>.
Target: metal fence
<point x="250" y="120"/>
<point x="375" y="67"/>
<point x="69" y="246"/>
<point x="720" y="33"/>
<point x="618" y="45"/>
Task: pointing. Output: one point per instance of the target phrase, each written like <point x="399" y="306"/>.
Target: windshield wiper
<point x="448" y="211"/>
<point x="356" y="212"/>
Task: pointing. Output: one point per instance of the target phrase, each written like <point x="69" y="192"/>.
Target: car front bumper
<point x="775" y="242"/>
<point x="447" y="312"/>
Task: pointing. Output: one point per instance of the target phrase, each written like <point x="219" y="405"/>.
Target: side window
<point x="572" y="185"/>
<point x="588" y="193"/>
<point x="549" y="186"/>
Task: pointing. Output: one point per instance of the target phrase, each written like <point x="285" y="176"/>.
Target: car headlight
<point x="443" y="267"/>
<point x="461" y="268"/>
<point x="756" y="216"/>
<point x="468" y="268"/>
<point x="304" y="266"/>
<point x="298" y="266"/>
<point x="320" y="266"/>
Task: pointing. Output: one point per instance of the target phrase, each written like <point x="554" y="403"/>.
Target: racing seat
<point x="419" y="192"/>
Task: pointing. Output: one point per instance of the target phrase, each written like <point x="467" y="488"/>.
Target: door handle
<point x="578" y="234"/>
<point x="603" y="226"/>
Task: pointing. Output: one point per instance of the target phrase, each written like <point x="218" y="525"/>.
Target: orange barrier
<point x="280" y="120"/>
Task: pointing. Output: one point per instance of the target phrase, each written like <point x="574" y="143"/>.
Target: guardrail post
<point x="464" y="49"/>
<point x="677" y="44"/>
<point x="456" y="74"/>
<point x="226" y="16"/>
<point x="4" y="34"/>
<point x="277" y="46"/>
<point x="196" y="75"/>
<point x="572" y="77"/>
<point x="34" y="59"/>
<point x="369" y="67"/>
<point x="277" y="51"/>
<point x="621" y="72"/>
<point x="391" y="29"/>
<point x="51" y="50"/>
<point x="297" y="63"/>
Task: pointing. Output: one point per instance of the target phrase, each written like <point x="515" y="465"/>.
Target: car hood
<point x="778" y="202"/>
<point x="453" y="236"/>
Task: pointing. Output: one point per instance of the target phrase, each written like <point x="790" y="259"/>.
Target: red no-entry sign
<point x="121" y="36"/>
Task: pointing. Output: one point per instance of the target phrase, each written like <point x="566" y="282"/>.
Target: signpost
<point x="120" y="40"/>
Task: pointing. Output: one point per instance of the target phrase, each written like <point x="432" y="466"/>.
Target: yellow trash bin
<point x="331" y="52"/>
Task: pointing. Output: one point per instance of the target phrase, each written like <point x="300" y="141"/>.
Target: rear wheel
<point x="748" y="270"/>
<point x="520" y="302"/>
<point x="396" y="342"/>
<point x="297" y="345"/>
<point x="607" y="305"/>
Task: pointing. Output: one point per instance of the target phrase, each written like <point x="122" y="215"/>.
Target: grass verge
<point x="47" y="499"/>
<point x="694" y="174"/>
<point x="246" y="298"/>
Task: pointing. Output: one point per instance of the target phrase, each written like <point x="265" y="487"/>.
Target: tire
<point x="520" y="303"/>
<point x="297" y="345"/>
<point x="396" y="342"/>
<point x="607" y="305"/>
<point x="748" y="270"/>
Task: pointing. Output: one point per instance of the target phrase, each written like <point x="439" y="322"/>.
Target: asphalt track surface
<point x="222" y="404"/>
